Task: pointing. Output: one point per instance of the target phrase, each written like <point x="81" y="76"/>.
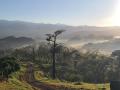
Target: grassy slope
<point x="68" y="86"/>
<point x="14" y="83"/>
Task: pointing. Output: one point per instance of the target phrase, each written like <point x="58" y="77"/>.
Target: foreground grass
<point x="67" y="85"/>
<point x="14" y="83"/>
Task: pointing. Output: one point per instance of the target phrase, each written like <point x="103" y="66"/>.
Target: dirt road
<point x="29" y="77"/>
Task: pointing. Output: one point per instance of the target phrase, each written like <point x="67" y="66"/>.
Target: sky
<point x="69" y="12"/>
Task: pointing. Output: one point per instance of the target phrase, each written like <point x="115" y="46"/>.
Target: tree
<point x="8" y="65"/>
<point x="52" y="38"/>
<point x="116" y="55"/>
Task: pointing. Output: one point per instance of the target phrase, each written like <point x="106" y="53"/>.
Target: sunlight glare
<point x="116" y="16"/>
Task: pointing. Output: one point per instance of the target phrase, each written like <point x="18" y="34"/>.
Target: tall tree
<point x="52" y="39"/>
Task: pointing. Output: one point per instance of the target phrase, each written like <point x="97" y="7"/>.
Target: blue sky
<point x="70" y="12"/>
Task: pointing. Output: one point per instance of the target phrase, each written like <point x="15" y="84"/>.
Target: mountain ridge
<point x="12" y="42"/>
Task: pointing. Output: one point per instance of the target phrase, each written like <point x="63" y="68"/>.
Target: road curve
<point x="29" y="78"/>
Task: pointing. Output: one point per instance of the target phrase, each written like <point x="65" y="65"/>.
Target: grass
<point x="63" y="85"/>
<point x="14" y="83"/>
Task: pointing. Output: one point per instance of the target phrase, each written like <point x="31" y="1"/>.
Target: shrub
<point x="8" y="65"/>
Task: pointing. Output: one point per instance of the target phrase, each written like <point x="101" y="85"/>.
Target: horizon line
<point x="85" y="25"/>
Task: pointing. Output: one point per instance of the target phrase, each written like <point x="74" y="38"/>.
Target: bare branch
<point x="49" y="35"/>
<point x="58" y="32"/>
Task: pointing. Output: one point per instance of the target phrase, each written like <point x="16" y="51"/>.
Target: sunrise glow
<point x="116" y="15"/>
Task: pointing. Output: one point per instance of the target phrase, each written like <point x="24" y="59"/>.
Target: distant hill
<point x="28" y="29"/>
<point x="73" y="36"/>
<point x="38" y="30"/>
<point x="12" y="42"/>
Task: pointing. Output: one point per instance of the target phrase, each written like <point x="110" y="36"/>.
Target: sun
<point x="115" y="20"/>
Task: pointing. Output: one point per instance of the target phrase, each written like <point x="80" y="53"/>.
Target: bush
<point x="72" y="77"/>
<point x="8" y="65"/>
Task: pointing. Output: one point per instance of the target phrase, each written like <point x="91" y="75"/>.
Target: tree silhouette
<point x="52" y="39"/>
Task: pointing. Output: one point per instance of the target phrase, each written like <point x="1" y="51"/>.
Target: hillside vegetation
<point x="14" y="82"/>
<point x="53" y="66"/>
